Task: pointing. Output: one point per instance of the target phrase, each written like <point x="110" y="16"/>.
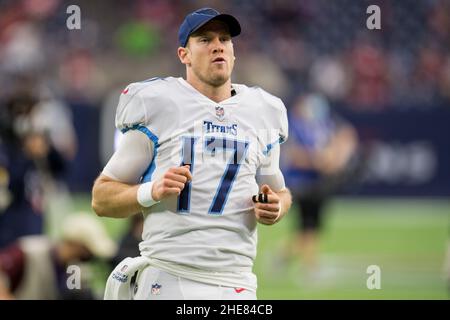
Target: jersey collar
<point x="231" y="100"/>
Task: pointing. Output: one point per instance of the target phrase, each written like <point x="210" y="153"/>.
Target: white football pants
<point x="155" y="284"/>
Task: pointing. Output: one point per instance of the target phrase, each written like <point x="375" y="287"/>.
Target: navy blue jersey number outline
<point x="226" y="182"/>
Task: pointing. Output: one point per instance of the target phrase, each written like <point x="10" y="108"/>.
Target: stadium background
<point x="393" y="84"/>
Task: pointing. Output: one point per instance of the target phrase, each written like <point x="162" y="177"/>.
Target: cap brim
<point x="232" y="23"/>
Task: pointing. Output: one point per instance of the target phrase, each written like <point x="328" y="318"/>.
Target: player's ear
<point x="183" y="55"/>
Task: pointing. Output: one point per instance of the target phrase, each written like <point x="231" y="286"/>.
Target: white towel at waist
<point x="118" y="284"/>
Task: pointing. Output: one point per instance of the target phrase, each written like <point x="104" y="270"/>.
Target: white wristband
<point x="144" y="194"/>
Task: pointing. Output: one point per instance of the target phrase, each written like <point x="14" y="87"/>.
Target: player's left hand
<point x="268" y="213"/>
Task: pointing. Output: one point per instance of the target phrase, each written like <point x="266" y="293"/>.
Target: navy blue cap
<point x="200" y="17"/>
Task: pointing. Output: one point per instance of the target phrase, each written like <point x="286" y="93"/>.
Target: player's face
<point x="210" y="53"/>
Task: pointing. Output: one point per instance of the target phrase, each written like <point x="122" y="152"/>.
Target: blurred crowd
<point x="59" y="88"/>
<point x="303" y="45"/>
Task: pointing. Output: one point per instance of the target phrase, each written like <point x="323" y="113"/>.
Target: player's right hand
<point x="171" y="183"/>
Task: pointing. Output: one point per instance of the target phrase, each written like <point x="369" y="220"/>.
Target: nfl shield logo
<point x="156" y="288"/>
<point x="220" y="113"/>
<point x="124" y="268"/>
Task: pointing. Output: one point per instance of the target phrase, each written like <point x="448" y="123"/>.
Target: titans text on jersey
<point x="211" y="127"/>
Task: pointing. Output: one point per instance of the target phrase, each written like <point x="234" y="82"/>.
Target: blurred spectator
<point x="439" y="20"/>
<point x="53" y="116"/>
<point x="427" y="75"/>
<point x="36" y="268"/>
<point x="369" y="82"/>
<point x="328" y="76"/>
<point x="80" y="77"/>
<point x="28" y="160"/>
<point x="318" y="159"/>
<point x="83" y="85"/>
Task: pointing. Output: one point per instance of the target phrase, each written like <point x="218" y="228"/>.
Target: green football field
<point x="406" y="238"/>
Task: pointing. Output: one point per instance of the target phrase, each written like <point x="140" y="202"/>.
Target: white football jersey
<point x="211" y="226"/>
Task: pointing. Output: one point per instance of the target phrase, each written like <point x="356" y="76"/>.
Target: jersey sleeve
<point x="276" y="120"/>
<point x="12" y="263"/>
<point x="132" y="158"/>
<point x="131" y="111"/>
<point x="269" y="170"/>
<point x="141" y="122"/>
<point x="283" y="125"/>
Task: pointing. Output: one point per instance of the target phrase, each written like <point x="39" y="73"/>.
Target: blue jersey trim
<point x="143" y="129"/>
<point x="147" y="176"/>
<point x="233" y="171"/>
<point x="184" y="199"/>
<point x="271" y="145"/>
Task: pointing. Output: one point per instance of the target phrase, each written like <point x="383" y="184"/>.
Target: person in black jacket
<point x="27" y="159"/>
